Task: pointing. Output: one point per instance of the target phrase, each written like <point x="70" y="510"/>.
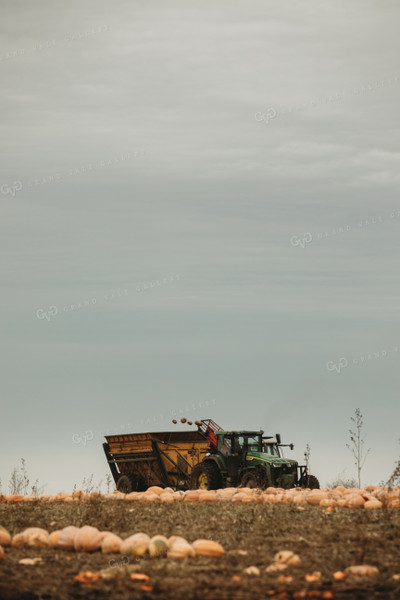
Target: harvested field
<point x="251" y="535"/>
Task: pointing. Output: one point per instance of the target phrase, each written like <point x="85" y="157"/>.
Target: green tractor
<point x="248" y="459"/>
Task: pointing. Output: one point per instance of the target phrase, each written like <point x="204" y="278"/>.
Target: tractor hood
<point x="268" y="458"/>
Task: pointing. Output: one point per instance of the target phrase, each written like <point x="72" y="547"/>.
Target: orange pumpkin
<point x="111" y="543"/>
<point x="327" y="503"/>
<point x="167" y="497"/>
<point x="67" y="537"/>
<point x="14" y="498"/>
<point x="339" y="575"/>
<point x="362" y="570"/>
<point x="5" y="537"/>
<point x="313" y="577"/>
<point x="132" y="496"/>
<point x="150" y="497"/>
<point x="208" y="548"/>
<point x="208" y="496"/>
<point x="180" y="549"/>
<point x="37" y="537"/>
<point x="300" y="498"/>
<point x="179" y="495"/>
<point x="276" y="567"/>
<point x="371" y="504"/>
<point x="18" y="540"/>
<point x="315" y="496"/>
<point x="191" y="496"/>
<point x="54" y="538"/>
<point x="355" y="501"/>
<point x="135" y="545"/>
<point x="30" y="498"/>
<point x="176" y="538"/>
<point x="61" y="497"/>
<point x="287" y="557"/>
<point x="239" y="497"/>
<point x="88" y="539"/>
<point x="248" y="499"/>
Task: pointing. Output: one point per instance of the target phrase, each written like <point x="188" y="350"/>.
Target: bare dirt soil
<point x="326" y="542"/>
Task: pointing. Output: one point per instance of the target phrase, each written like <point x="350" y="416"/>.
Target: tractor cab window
<point x="249" y="443"/>
<point x="253" y="443"/>
<point x="253" y="447"/>
<point x="271" y="449"/>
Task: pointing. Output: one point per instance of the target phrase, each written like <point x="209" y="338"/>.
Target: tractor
<point x="246" y="458"/>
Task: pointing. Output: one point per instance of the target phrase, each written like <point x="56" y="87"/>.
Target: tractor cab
<point x="239" y="442"/>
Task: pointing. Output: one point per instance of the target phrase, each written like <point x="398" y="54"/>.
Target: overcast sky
<point x="199" y="215"/>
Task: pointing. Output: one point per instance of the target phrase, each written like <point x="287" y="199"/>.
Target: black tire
<point x="130" y="483"/>
<point x="250" y="480"/>
<point x="124" y="484"/>
<point x="311" y="482"/>
<point x="256" y="478"/>
<point x="205" y="476"/>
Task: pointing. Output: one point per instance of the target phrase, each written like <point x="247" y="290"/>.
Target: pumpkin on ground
<point x="111" y="543"/>
<point x="287" y="557"/>
<point x="5" y="537"/>
<point x="67" y="537"/>
<point x="88" y="539"/>
<point x="158" y="545"/>
<point x="135" y="545"/>
<point x="54" y="538"/>
<point x="38" y="537"/>
<point x="207" y="548"/>
<point x="179" y="548"/>
<point x="362" y="570"/>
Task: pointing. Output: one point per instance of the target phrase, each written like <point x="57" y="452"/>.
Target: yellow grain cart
<point x="139" y="460"/>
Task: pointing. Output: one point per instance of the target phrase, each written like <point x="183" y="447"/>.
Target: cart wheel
<point x="124" y="484"/>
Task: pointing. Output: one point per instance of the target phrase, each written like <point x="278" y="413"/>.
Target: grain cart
<point x="167" y="458"/>
<point x="208" y="458"/>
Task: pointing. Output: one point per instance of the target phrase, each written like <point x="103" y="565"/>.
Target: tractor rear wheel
<point x="205" y="476"/>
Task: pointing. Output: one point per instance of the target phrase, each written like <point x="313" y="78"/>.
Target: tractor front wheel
<point x="205" y="476"/>
<point x="255" y="479"/>
<point x="250" y="480"/>
<point x="311" y="482"/>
